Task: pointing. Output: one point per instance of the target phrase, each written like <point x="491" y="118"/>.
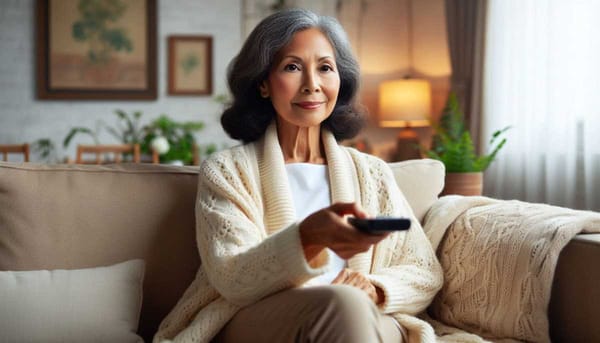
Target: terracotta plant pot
<point x="463" y="183"/>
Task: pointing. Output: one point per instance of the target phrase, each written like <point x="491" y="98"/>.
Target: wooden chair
<point x="116" y="150"/>
<point x="15" y="149"/>
<point x="196" y="158"/>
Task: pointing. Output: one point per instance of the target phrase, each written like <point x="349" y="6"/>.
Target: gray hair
<point x="250" y="114"/>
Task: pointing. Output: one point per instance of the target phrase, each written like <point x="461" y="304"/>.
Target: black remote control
<point x="380" y="225"/>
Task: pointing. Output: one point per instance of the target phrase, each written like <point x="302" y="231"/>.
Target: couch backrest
<point x="76" y="216"/>
<point x="80" y="216"/>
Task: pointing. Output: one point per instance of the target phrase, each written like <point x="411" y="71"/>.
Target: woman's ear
<point x="264" y="89"/>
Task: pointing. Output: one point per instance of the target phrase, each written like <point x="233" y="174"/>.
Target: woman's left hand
<point x="358" y="280"/>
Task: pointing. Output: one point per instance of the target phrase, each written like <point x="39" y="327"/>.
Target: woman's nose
<point x="311" y="83"/>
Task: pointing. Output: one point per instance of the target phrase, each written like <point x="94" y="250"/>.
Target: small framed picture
<point x="190" y="65"/>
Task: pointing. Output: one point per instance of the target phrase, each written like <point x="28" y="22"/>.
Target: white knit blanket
<point x="499" y="259"/>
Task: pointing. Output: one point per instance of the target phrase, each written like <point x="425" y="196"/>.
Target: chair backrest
<point x="15" y="149"/>
<point x="101" y="151"/>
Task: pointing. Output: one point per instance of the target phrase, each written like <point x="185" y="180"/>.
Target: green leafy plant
<point x="452" y="143"/>
<point x="180" y="138"/>
<point x="45" y="148"/>
<point x="80" y="129"/>
<point x="126" y="131"/>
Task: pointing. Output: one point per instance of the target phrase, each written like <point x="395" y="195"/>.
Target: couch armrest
<point x="501" y="256"/>
<point x="574" y="310"/>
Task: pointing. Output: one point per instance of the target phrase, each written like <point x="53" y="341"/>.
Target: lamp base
<point x="407" y="146"/>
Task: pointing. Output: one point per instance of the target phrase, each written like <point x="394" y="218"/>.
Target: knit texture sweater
<point x="249" y="240"/>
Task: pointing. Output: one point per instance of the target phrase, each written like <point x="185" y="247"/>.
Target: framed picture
<point x="190" y="65"/>
<point x="89" y="49"/>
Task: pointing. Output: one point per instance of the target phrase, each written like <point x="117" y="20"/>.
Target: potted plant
<point x="453" y="146"/>
<point x="174" y="141"/>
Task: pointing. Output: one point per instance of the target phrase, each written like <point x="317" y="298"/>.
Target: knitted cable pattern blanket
<point x="499" y="259"/>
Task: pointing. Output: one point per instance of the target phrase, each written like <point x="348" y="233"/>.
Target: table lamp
<point x="406" y="104"/>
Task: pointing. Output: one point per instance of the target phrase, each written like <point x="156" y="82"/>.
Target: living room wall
<point x="394" y="39"/>
<point x="378" y="33"/>
<point x="23" y="118"/>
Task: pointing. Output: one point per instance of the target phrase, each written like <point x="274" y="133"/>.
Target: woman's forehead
<point x="311" y="42"/>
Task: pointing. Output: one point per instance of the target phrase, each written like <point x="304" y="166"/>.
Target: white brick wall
<point x="23" y="118"/>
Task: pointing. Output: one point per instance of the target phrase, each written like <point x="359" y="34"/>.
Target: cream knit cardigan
<point x="250" y="246"/>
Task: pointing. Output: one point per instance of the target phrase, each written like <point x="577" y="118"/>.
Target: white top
<point x="309" y="185"/>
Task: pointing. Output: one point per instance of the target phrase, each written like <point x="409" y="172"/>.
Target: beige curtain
<point x="466" y="29"/>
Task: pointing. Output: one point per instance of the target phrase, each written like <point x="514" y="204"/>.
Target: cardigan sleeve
<point x="413" y="275"/>
<point x="240" y="260"/>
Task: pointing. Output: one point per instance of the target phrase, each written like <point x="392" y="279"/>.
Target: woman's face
<point x="304" y="82"/>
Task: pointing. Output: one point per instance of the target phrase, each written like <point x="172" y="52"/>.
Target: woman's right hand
<point x="328" y="228"/>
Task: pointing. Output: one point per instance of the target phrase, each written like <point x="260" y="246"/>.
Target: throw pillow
<point x="421" y="181"/>
<point x="83" y="305"/>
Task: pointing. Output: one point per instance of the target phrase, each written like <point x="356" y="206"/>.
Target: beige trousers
<point x="332" y="313"/>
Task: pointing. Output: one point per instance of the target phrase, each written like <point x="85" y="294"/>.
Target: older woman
<point x="279" y="260"/>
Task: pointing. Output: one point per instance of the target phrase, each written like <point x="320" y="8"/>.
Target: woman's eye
<point x="326" y="67"/>
<point x="291" y="67"/>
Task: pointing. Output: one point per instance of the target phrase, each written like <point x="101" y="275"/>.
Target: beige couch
<point x="75" y="217"/>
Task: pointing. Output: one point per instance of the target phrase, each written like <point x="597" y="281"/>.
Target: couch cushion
<point x="81" y="216"/>
<point x="421" y="181"/>
<point x="98" y="304"/>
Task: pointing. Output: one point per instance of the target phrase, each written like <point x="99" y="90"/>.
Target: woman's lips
<point x="309" y="105"/>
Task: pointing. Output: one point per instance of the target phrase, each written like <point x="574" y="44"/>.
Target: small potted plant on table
<point x="453" y="146"/>
<point x="173" y="141"/>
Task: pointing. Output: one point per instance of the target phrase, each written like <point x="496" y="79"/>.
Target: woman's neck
<point x="300" y="144"/>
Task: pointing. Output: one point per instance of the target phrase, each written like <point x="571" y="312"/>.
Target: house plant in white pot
<point x="453" y="146"/>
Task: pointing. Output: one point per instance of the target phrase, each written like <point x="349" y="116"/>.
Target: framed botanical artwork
<point x="190" y="65"/>
<point x="96" y="49"/>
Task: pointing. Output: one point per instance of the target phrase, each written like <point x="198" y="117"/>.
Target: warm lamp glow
<point x="404" y="103"/>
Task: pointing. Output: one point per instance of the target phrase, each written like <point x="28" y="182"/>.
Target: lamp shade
<point x="404" y="103"/>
